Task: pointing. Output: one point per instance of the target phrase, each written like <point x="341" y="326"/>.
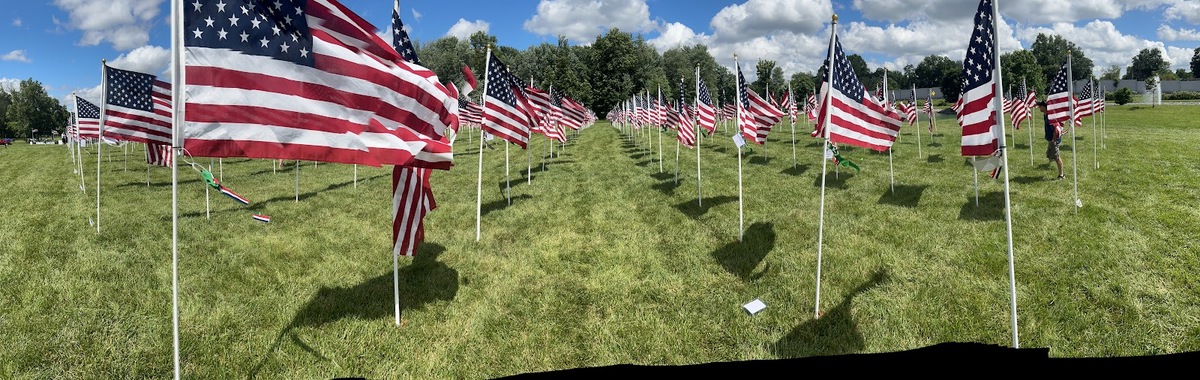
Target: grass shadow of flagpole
<point x="835" y="333"/>
<point x="694" y="211"/>
<point x="424" y="281"/>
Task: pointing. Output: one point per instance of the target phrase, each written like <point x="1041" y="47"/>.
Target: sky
<point x="60" y="42"/>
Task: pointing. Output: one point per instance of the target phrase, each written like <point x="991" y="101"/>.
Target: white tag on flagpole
<point x="754" y="306"/>
<point x="739" y="140"/>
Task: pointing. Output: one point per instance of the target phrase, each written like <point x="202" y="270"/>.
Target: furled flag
<point x="706" y="115"/>
<point x="87" y="119"/>
<point x="412" y="197"/>
<point x="159" y="154"/>
<point x="686" y="132"/>
<point x="757" y="116"/>
<point x="910" y="112"/>
<point x="574" y="115"/>
<point x="811" y="106"/>
<point x="504" y="113"/>
<point x="853" y="115"/>
<point x="308" y="80"/>
<point x="1020" y="107"/>
<point x="977" y="108"/>
<point x="138" y="107"/>
<point x="787" y="104"/>
<point x="469" y="77"/>
<point x="1098" y="102"/>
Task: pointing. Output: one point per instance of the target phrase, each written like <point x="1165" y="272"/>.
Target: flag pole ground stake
<point x="976" y="173"/>
<point x="100" y="135"/>
<point x="207" y="209"/>
<point x="355" y="176"/>
<point x="891" y="171"/>
<point x="177" y="107"/>
<point x="297" y="181"/>
<point x="1012" y="282"/>
<point x="507" y="194"/>
<point x="1074" y="144"/>
<point x="1031" y="112"/>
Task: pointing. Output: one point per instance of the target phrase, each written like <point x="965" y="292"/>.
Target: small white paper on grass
<point x="1078" y="203"/>
<point x="739" y="140"/>
<point x="754" y="306"/>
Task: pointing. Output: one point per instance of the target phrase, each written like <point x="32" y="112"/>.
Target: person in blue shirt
<point x="1053" y="137"/>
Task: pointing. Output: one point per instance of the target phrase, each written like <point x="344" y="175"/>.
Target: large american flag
<point x="574" y="115"/>
<point x="855" y="117"/>
<point x="87" y="119"/>
<point x="137" y="107"/>
<point x="757" y="116"/>
<point x="977" y="113"/>
<point x="412" y="197"/>
<point x="159" y="154"/>
<point x="1058" y="99"/>
<point x="307" y="80"/>
<point x="504" y="114"/>
<point x="685" y="127"/>
<point x="706" y="115"/>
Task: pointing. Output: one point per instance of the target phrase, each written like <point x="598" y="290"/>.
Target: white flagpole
<point x="792" y="101"/>
<point x="658" y="110"/>
<point x="1095" y="137"/>
<point x="221" y="170"/>
<point x="207" y="209"/>
<point x="824" y="163"/>
<point x="1103" y="118"/>
<point x="696" y="122"/>
<point x="1031" y="120"/>
<point x="918" y="123"/>
<point x="297" y="181"/>
<point x="147" y="169"/>
<point x="356" y="176"/>
<point x="1012" y="282"/>
<point x="126" y="164"/>
<point x="100" y="135"/>
<point x="891" y="170"/>
<point x="479" y="184"/>
<point x="737" y="131"/>
<point x="976" y="173"/>
<point x="1074" y="144"/>
<point x="507" y="193"/>
<point x="177" y="107"/>
<point x="79" y="153"/>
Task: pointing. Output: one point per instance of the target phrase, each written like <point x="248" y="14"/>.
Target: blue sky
<point x="60" y="42"/>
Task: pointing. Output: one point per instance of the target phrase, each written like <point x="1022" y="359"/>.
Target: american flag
<point x="854" y="116"/>
<point x="977" y="109"/>
<point x="544" y="103"/>
<point x="307" y="80"/>
<point x="910" y="112"/>
<point x="756" y="116"/>
<point x="1084" y="106"/>
<point x="1021" y="106"/>
<point x="504" y="114"/>
<point x="159" y="154"/>
<point x="87" y="119"/>
<point x="469" y="112"/>
<point x="137" y="107"/>
<point x="412" y="197"/>
<point x="789" y="105"/>
<point x="811" y="106"/>
<point x="1058" y="99"/>
<point x="469" y="77"/>
<point x="686" y="131"/>
<point x="706" y="115"/>
<point x="1098" y="102"/>
<point x="573" y="114"/>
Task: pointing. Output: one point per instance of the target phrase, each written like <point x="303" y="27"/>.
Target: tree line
<point x="29" y="111"/>
<point x="618" y="64"/>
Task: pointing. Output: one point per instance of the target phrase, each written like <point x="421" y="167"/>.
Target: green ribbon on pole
<point x="208" y="179"/>
<point x="832" y="153"/>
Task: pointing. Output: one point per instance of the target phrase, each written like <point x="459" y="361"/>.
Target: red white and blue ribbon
<point x="231" y="194"/>
<point x="262" y="218"/>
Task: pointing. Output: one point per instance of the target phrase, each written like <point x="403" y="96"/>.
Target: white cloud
<point x="15" y="55"/>
<point x="146" y="59"/>
<point x="1017" y="11"/>
<point x="1187" y="10"/>
<point x="584" y="20"/>
<point x="416" y="15"/>
<point x="16" y="22"/>
<point x="756" y="18"/>
<point x="900" y="10"/>
<point x="1170" y="34"/>
<point x="675" y="34"/>
<point x="9" y="84"/>
<point x="1107" y="46"/>
<point x="125" y="24"/>
<point x="463" y="29"/>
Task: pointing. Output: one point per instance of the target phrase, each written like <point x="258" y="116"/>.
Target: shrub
<point x="1122" y="96"/>
<point x="1182" y="95"/>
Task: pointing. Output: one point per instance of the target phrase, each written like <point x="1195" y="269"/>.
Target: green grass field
<point x="602" y="259"/>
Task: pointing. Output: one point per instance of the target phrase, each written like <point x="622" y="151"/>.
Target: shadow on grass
<point x="760" y="160"/>
<point x="257" y="205"/>
<point x="815" y="144"/>
<point x="157" y="184"/>
<point x="695" y="211"/>
<point x="935" y="158"/>
<point x="904" y="196"/>
<point x="663" y="176"/>
<point x="502" y="203"/>
<point x="1025" y="180"/>
<point x="667" y="187"/>
<point x="991" y="207"/>
<point x="834" y="180"/>
<point x="740" y="258"/>
<point x="644" y="163"/>
<point x="424" y="281"/>
<point x="795" y="171"/>
<point x="834" y="333"/>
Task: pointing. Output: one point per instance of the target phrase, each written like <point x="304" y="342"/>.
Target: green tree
<point x="569" y="72"/>
<point x="1122" y="96"/>
<point x="1112" y="73"/>
<point x="1196" y="63"/>
<point x="5" y="101"/>
<point x="446" y="57"/>
<point x="930" y="71"/>
<point x="1146" y="64"/>
<point x="613" y="69"/>
<point x="1183" y="74"/>
<point x="33" y="109"/>
<point x="803" y="84"/>
<point x="480" y="42"/>
<point x="1022" y="65"/>
<point x="763" y="69"/>
<point x="1051" y="53"/>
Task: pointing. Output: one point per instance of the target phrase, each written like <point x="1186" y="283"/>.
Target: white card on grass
<point x="754" y="306"/>
<point x="739" y="140"/>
